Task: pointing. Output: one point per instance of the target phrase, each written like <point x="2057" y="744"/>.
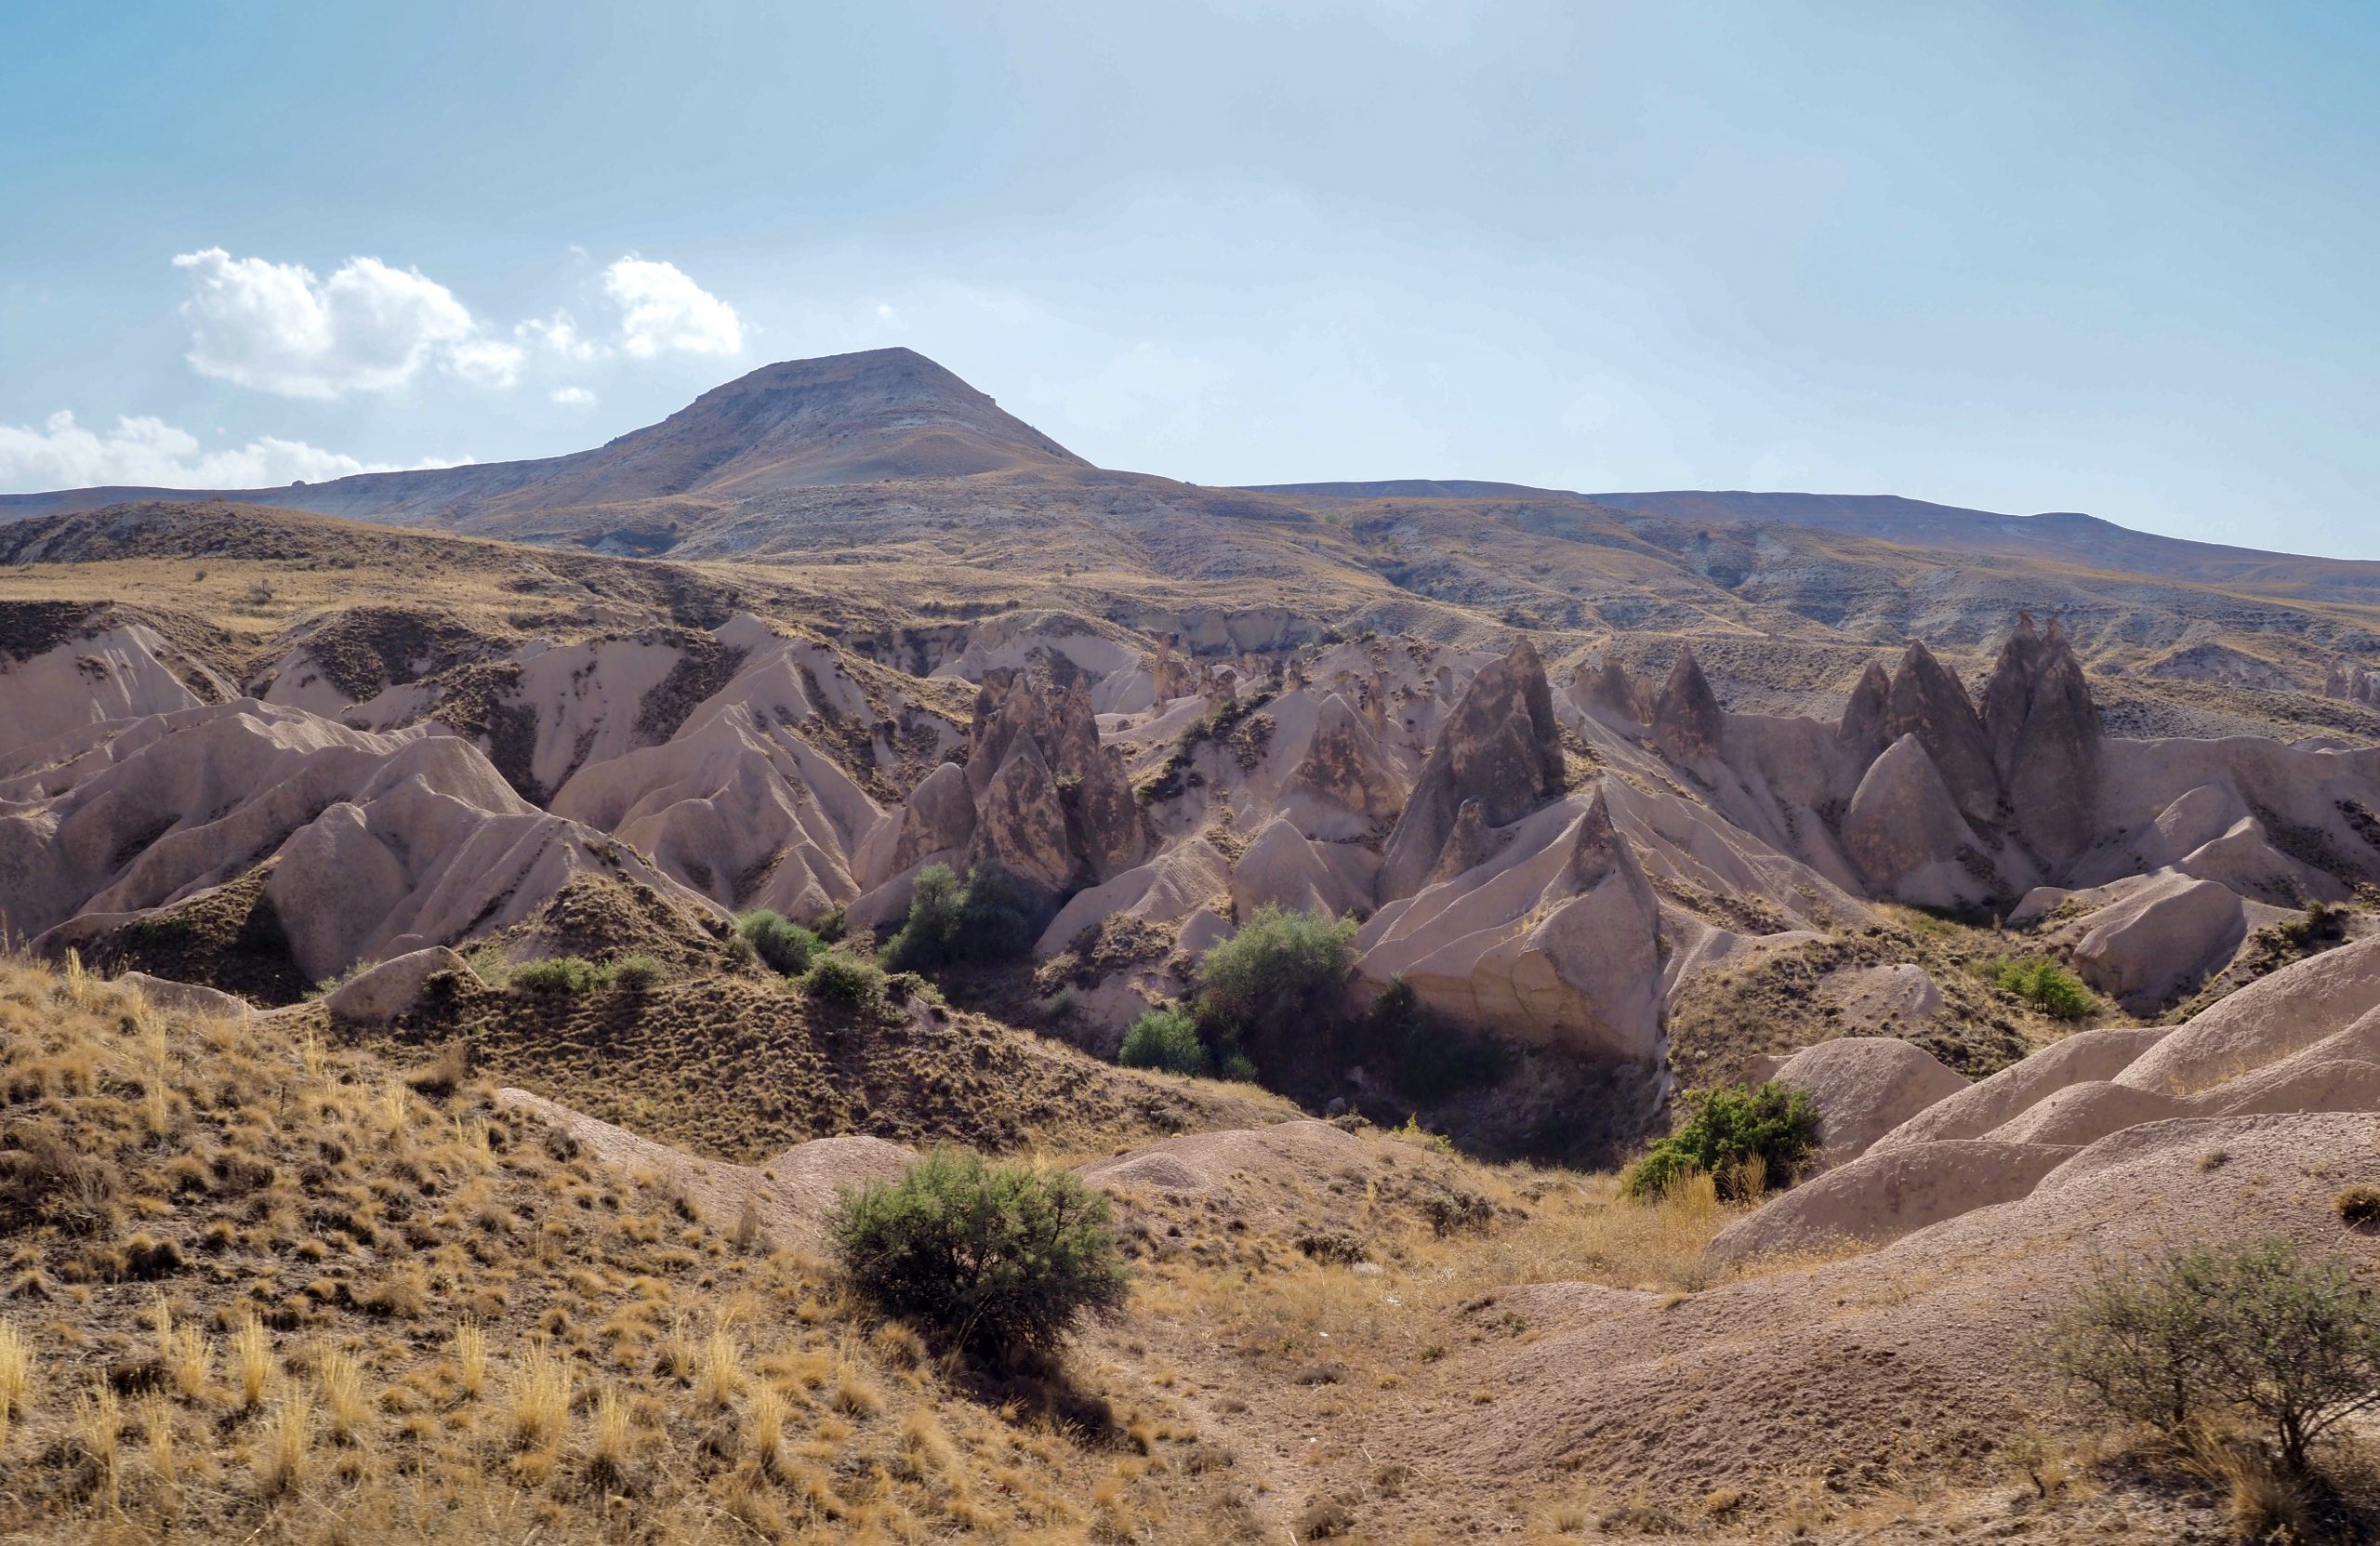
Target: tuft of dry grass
<point x="470" y="1360"/>
<point x="719" y="1373"/>
<point x="341" y="1379"/>
<point x="540" y="1415"/>
<point x="286" y="1443"/>
<point x="16" y="1379"/>
<point x="608" y="1436"/>
<point x="99" y="1424"/>
<point x="765" y="1422"/>
<point x="252" y="1352"/>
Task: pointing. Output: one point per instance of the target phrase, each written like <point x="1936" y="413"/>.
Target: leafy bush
<point x="2045" y="985"/>
<point x="636" y="973"/>
<point x="1281" y="973"/>
<point x="1420" y="1052"/>
<point x="1165" y="1038"/>
<point x="831" y="923"/>
<point x="560" y="976"/>
<point x="994" y="1256"/>
<point x="1745" y="1138"/>
<point x="2290" y="1340"/>
<point x="989" y="918"/>
<point x="786" y="947"/>
<point x="2318" y="925"/>
<point x="842" y="979"/>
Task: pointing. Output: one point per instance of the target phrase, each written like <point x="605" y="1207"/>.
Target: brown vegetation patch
<point x="1771" y="1004"/>
<point x="741" y="1068"/>
<point x="226" y="937"/>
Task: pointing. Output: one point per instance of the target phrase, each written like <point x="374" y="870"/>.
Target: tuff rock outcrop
<point x="1500" y="746"/>
<point x="1052" y="804"/>
<point x="2044" y="734"/>
<point x="1687" y="720"/>
<point x="1555" y="941"/>
<point x="1905" y="831"/>
<point x="1927" y="702"/>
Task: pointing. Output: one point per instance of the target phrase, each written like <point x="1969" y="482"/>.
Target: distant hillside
<point x="846" y="418"/>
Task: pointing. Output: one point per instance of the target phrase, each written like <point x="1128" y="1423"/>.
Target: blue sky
<point x="2112" y="258"/>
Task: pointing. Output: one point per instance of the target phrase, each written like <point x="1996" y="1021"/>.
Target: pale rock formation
<point x="2045" y="736"/>
<point x="1553" y="941"/>
<point x="111" y="666"/>
<point x="1905" y="832"/>
<point x="2164" y="935"/>
<point x="2085" y="1112"/>
<point x="1020" y="821"/>
<point x="1878" y="996"/>
<point x="2081" y="1057"/>
<point x="1500" y="746"/>
<point x="2286" y="1049"/>
<point x="1052" y="804"/>
<point x="1201" y="932"/>
<point x="394" y="987"/>
<point x="1345" y="785"/>
<point x="1888" y="1193"/>
<point x="738" y="807"/>
<point x="186" y="997"/>
<point x="939" y="817"/>
<point x="2263" y="1022"/>
<point x="1687" y="718"/>
<point x="1168" y="889"/>
<point x="1864" y="1087"/>
<point x="1926" y="701"/>
<point x="406" y="864"/>
<point x="1283" y="868"/>
<point x="1606" y="690"/>
<point x="1862" y="726"/>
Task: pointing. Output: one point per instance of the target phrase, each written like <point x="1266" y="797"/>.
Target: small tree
<point x="2045" y="985"/>
<point x="785" y="947"/>
<point x="989" y="918"/>
<point x="1165" y="1038"/>
<point x="1280" y="972"/>
<point x="1773" y="1125"/>
<point x="2290" y="1338"/>
<point x="997" y="1258"/>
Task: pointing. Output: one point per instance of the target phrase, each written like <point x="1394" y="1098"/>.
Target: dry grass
<point x="252" y="1355"/>
<point x="16" y="1379"/>
<point x="291" y="1397"/>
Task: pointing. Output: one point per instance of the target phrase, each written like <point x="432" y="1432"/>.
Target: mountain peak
<point x="840" y="418"/>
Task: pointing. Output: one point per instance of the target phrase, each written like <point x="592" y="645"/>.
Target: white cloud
<point x="151" y="453"/>
<point x="662" y="310"/>
<point x="561" y="336"/>
<point x="572" y="397"/>
<point x="276" y="327"/>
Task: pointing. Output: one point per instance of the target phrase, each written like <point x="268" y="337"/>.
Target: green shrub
<point x="636" y="973"/>
<point x="2318" y="925"/>
<point x="2290" y="1340"/>
<point x="561" y="975"/>
<point x="1773" y="1125"/>
<point x="842" y="979"/>
<point x="831" y="923"/>
<point x="2045" y="985"/>
<point x="786" y="948"/>
<point x="1280" y="975"/>
<point x="990" y="918"/>
<point x="1425" y="1056"/>
<point x="996" y="1257"/>
<point x="1165" y="1038"/>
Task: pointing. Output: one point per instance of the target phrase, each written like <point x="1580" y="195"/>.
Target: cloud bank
<point x="662" y="310"/>
<point x="372" y="327"/>
<point x="150" y="453"/>
<point x="276" y="327"/>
